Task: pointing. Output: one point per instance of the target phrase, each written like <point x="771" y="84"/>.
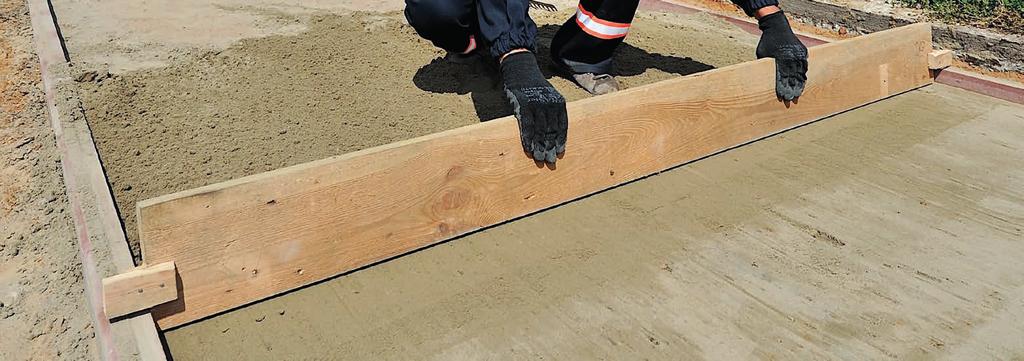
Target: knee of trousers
<point x="435" y="19"/>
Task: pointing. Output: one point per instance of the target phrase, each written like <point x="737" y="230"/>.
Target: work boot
<point x="596" y="84"/>
<point x="593" y="83"/>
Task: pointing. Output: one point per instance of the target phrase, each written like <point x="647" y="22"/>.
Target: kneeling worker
<point x="503" y="31"/>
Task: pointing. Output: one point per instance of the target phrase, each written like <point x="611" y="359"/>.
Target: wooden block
<point x="251" y="238"/>
<point x="139" y="290"/>
<point x="940" y="59"/>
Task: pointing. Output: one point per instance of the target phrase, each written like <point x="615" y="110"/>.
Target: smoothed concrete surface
<point x="890" y="231"/>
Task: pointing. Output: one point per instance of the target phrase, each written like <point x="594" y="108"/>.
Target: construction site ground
<point x="891" y="231"/>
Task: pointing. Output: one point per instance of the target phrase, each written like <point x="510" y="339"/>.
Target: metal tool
<point x="542" y="6"/>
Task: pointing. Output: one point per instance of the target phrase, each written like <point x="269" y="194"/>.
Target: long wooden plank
<point x="959" y="78"/>
<point x="139" y="289"/>
<point x="97" y="225"/>
<point x="51" y="53"/>
<point x="247" y="239"/>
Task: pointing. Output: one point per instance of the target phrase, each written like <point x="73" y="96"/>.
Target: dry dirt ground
<point x="41" y="292"/>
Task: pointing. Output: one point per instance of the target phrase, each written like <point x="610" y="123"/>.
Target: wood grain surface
<point x="139" y="289"/>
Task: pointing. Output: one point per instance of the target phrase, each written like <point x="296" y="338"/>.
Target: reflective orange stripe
<point x="598" y="28"/>
<point x="471" y="46"/>
<point x="600" y="21"/>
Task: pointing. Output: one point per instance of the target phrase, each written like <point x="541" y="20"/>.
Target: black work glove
<point x="539" y="108"/>
<point x="779" y="42"/>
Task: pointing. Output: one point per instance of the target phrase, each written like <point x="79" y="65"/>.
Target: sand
<point x="42" y="316"/>
<point x="349" y="82"/>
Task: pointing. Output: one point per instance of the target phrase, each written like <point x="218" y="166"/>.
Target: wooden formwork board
<point x="98" y="228"/>
<point x="945" y="74"/>
<point x="248" y="239"/>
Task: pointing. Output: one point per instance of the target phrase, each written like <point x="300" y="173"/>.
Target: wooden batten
<point x="139" y="290"/>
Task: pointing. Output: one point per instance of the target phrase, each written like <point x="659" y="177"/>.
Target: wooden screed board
<point x="247" y="239"/>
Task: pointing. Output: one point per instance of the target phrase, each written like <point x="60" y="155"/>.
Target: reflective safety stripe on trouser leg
<point x="471" y="46"/>
<point x="598" y="28"/>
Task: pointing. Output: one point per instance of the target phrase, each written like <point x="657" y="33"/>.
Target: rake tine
<point x="542" y="6"/>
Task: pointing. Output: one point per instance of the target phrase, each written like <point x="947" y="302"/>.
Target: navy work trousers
<point x="584" y="44"/>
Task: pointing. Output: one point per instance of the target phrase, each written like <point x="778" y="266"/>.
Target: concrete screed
<point x="889" y="231"/>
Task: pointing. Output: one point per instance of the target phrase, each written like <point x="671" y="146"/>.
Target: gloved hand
<point x="539" y="108"/>
<point x="779" y="42"/>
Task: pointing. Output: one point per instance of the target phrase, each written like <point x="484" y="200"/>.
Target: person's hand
<point x="779" y="42"/>
<point x="539" y="108"/>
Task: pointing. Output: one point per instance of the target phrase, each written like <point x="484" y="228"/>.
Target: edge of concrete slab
<point x="103" y="248"/>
